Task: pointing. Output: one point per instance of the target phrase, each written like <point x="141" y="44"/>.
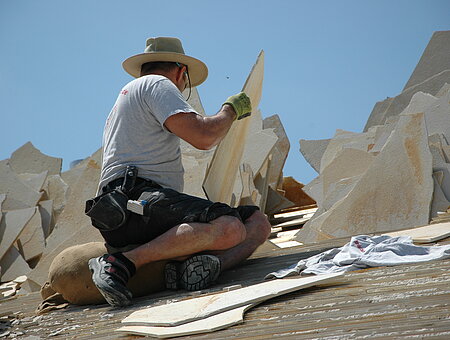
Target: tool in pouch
<point x="138" y="206"/>
<point x="108" y="211"/>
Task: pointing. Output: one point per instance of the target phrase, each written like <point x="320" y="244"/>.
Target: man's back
<point x="134" y="133"/>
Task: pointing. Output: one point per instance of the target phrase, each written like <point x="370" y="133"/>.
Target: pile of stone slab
<point x="394" y="175"/>
<point x="42" y="208"/>
<point x="42" y="211"/>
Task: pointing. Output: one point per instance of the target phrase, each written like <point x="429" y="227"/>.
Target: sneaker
<point x="196" y="273"/>
<point x="110" y="276"/>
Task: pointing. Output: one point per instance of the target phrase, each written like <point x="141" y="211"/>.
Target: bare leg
<point x="190" y="238"/>
<point x="226" y="236"/>
<point x="257" y="232"/>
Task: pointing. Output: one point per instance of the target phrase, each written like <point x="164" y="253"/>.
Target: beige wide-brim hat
<point x="166" y="49"/>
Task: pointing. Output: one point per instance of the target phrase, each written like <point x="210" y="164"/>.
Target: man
<point x="141" y="158"/>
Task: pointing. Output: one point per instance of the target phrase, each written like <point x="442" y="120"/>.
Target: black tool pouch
<point x="109" y="210"/>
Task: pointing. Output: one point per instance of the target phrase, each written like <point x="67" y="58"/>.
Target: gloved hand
<point x="241" y="105"/>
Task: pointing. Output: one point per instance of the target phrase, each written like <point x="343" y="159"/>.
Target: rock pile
<point x="395" y="174"/>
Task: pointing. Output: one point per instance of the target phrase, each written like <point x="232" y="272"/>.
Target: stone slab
<point x="12" y="265"/>
<point x="436" y="109"/>
<point x="70" y="177"/>
<point x="440" y="201"/>
<point x="73" y="216"/>
<point x="28" y="159"/>
<point x="262" y="183"/>
<point x="31" y="239"/>
<point x="182" y="312"/>
<point x="35" y="181"/>
<point x="18" y="194"/>
<point x="279" y="152"/>
<point x="446" y="150"/>
<point x="195" y="164"/>
<point x="434" y="59"/>
<point x="432" y="86"/>
<point x="445" y="184"/>
<point x="382" y="134"/>
<point x="57" y="191"/>
<point x="339" y="190"/>
<point x="444" y="89"/>
<point x="207" y="325"/>
<point x="437" y="152"/>
<point x="223" y="170"/>
<point x="313" y="151"/>
<point x="346" y="139"/>
<point x="2" y="199"/>
<point x="376" y="203"/>
<point x="347" y="163"/>
<point x="249" y="195"/>
<point x="376" y="117"/>
<point x="11" y="225"/>
<point x="314" y="189"/>
<point x="46" y="212"/>
<point x="73" y="226"/>
<point x="259" y="145"/>
<point x="276" y="202"/>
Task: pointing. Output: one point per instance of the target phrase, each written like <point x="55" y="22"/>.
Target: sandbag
<point x="69" y="275"/>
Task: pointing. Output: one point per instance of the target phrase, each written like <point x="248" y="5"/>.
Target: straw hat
<point x="166" y="49"/>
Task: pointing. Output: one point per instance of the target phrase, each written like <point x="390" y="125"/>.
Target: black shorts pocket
<point x="108" y="211"/>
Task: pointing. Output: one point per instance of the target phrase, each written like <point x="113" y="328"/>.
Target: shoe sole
<point x="114" y="297"/>
<point x="196" y="273"/>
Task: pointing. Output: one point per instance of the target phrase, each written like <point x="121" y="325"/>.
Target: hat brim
<point x="198" y="72"/>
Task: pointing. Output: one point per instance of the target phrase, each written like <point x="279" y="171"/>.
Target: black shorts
<point x="166" y="209"/>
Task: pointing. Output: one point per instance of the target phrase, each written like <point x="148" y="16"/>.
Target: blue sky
<point x="326" y="62"/>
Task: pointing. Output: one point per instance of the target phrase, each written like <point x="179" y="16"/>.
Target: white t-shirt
<point x="134" y="133"/>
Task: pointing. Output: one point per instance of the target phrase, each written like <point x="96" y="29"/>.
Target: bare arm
<point x="202" y="132"/>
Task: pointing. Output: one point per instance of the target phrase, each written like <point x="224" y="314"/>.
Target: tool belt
<point x="108" y="211"/>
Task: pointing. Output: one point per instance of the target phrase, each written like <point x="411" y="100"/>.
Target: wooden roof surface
<point x="385" y="302"/>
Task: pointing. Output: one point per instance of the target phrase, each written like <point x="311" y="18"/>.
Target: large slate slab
<point x="395" y="106"/>
<point x="434" y="60"/>
<point x="28" y="159"/>
<point x="313" y="151"/>
<point x="279" y="152"/>
<point x="394" y="193"/>
<point x="18" y="194"/>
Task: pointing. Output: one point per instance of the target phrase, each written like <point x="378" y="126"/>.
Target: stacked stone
<point x="37" y="200"/>
<point x="395" y="174"/>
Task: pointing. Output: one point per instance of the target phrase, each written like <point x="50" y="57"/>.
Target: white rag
<point x="363" y="252"/>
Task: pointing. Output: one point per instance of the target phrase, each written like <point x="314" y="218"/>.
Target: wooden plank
<point x="199" y="308"/>
<point x="222" y="172"/>
<point x="426" y="234"/>
<point x="206" y="325"/>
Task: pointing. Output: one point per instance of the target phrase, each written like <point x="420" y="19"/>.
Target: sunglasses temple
<point x="190" y="87"/>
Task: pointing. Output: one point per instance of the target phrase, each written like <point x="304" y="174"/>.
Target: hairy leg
<point x="190" y="238"/>
<point x="257" y="232"/>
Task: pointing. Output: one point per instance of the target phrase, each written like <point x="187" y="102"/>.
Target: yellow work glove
<point x="241" y="105"/>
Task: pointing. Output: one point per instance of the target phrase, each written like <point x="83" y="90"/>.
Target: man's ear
<point x="181" y="72"/>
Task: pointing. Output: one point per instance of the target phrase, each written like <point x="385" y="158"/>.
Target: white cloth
<point x="134" y="133"/>
<point x="363" y="252"/>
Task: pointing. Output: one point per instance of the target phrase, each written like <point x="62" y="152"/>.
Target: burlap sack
<point x="69" y="275"/>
